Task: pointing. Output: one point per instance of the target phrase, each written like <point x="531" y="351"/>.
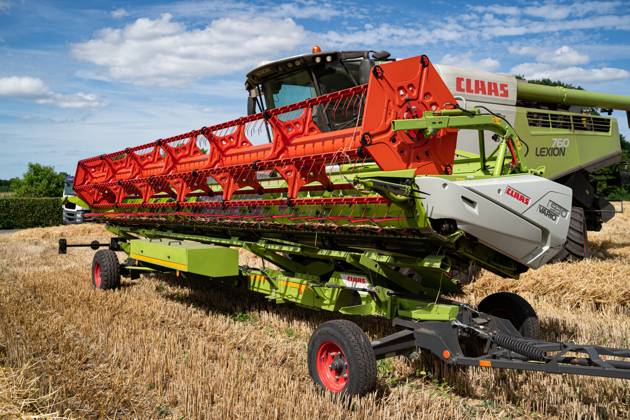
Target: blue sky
<point x="83" y="78"/>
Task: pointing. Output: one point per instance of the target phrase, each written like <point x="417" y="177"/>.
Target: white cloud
<point x="483" y="23"/>
<point x="557" y="11"/>
<point x="569" y="74"/>
<point x="304" y="10"/>
<point x="552" y="10"/>
<point x="564" y="55"/>
<point x="22" y="86"/>
<point x="35" y="89"/>
<point x="76" y="100"/>
<point x="163" y="52"/>
<point x="396" y="35"/>
<point x="466" y="60"/>
<point x="119" y="13"/>
<point x="496" y="28"/>
<point x="494" y="21"/>
<point x="549" y="11"/>
<point x="497" y="9"/>
<point x="213" y="9"/>
<point x="563" y="64"/>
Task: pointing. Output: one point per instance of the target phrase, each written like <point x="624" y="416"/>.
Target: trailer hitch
<point x="113" y="244"/>
<point x="505" y="348"/>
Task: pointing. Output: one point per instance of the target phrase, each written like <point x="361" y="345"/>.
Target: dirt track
<point x="159" y="348"/>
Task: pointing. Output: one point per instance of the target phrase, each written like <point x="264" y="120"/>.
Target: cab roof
<point x="261" y="73"/>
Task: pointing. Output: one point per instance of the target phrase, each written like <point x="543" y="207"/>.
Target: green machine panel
<point x="563" y="142"/>
<point x="187" y="256"/>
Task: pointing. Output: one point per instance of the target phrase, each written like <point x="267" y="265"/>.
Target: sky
<point x="82" y="78"/>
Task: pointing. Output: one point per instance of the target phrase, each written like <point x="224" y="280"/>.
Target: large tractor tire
<point x="341" y="359"/>
<point x="515" y="309"/>
<point x="105" y="270"/>
<point x="576" y="247"/>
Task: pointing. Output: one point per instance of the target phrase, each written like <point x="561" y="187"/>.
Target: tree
<point x="607" y="179"/>
<point x="39" y="181"/>
<point x="548" y="82"/>
<point x="5" y="184"/>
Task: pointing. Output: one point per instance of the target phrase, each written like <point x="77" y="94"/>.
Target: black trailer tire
<point x="105" y="270"/>
<point x="514" y="308"/>
<point x="341" y="359"/>
<point x="576" y="247"/>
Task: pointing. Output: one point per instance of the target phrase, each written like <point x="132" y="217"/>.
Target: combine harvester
<point x="363" y="206"/>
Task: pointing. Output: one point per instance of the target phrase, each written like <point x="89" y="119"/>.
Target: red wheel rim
<point x="332" y="366"/>
<point x="97" y="275"/>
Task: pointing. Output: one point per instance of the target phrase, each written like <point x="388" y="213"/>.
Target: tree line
<point x="38" y="181"/>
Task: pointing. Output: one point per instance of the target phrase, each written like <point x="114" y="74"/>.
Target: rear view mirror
<point x="251" y="105"/>
<point x="364" y="70"/>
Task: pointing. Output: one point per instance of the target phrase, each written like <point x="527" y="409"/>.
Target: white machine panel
<point x="472" y="88"/>
<point x="478" y="85"/>
<point x="525" y="217"/>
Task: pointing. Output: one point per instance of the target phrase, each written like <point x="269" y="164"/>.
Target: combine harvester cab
<point x="356" y="203"/>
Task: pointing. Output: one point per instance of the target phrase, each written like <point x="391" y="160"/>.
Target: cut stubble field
<point x="171" y="348"/>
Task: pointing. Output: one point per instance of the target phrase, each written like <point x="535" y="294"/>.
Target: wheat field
<point x="171" y="348"/>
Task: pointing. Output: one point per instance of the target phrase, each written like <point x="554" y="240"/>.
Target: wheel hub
<point x="339" y="365"/>
<point x="332" y="366"/>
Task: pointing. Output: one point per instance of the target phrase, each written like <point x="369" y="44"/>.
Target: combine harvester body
<point x="561" y="133"/>
<point x="364" y="205"/>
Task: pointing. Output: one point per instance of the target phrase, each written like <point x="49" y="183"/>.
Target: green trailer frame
<point x="315" y="280"/>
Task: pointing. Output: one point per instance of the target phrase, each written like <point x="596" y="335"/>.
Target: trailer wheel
<point x="341" y="359"/>
<point x="105" y="270"/>
<point x="576" y="247"/>
<point x="514" y="308"/>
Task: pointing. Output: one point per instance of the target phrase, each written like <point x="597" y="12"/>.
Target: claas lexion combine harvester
<point x="363" y="202"/>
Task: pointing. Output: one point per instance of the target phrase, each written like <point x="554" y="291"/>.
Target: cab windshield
<point x="67" y="188"/>
<point x="337" y="76"/>
<point x="307" y="83"/>
<point x="289" y="89"/>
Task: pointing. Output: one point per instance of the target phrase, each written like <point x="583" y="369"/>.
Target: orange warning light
<point x="485" y="363"/>
<point x="316" y="49"/>
<point x="446" y="354"/>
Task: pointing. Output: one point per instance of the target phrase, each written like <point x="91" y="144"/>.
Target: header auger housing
<point x="359" y="202"/>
